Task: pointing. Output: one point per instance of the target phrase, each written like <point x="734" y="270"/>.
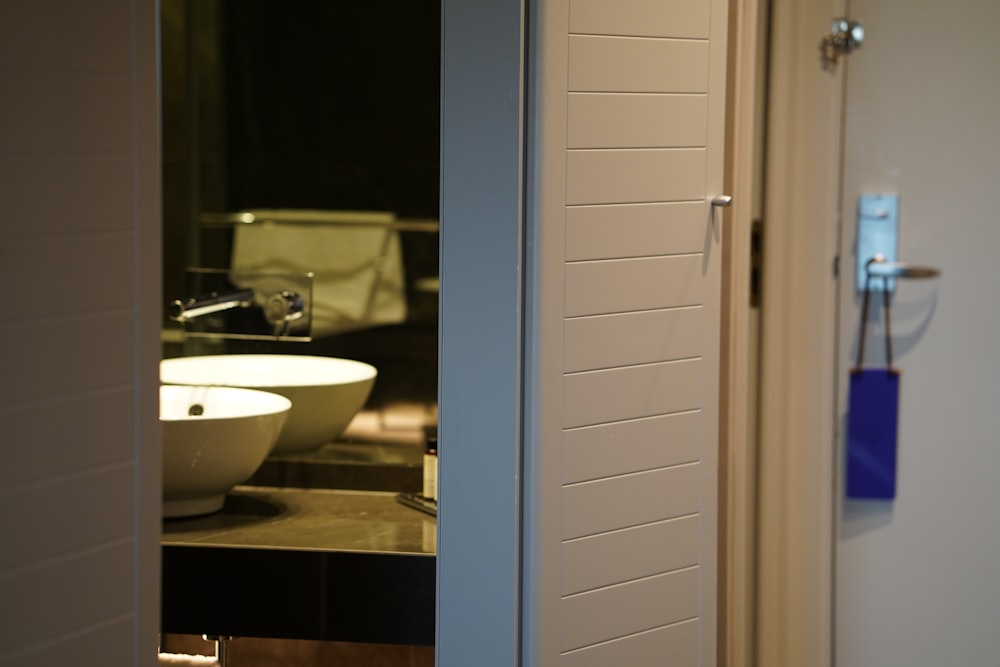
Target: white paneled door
<point x="916" y="577"/>
<point x="622" y="342"/>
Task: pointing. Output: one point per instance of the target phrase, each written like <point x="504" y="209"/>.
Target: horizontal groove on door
<point x="609" y="450"/>
<point x="635" y="176"/>
<point x="626" y="339"/>
<point x="675" y="645"/>
<point x="68" y="532"/>
<point x="634" y="500"/>
<point x="74" y="256"/>
<point x="98" y="183"/>
<point x="625" y="285"/>
<point x="621" y="394"/>
<point x="640" y="120"/>
<point x="23" y="385"/>
<point x="626" y="555"/>
<point x="636" y="64"/>
<point x="640" y="18"/>
<point x="33" y="423"/>
<point x="67" y="112"/>
<point x="619" y="611"/>
<point x="107" y="569"/>
<point x="635" y="230"/>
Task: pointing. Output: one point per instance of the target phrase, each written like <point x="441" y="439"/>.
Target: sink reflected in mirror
<point x="314" y="124"/>
<point x="213" y="439"/>
<point x="325" y="392"/>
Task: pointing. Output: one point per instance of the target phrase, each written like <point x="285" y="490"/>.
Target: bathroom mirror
<point x="314" y="106"/>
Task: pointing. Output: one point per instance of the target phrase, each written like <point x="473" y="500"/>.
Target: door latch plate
<point x="878" y="234"/>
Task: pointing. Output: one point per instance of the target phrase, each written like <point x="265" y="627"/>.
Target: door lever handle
<point x="877" y="266"/>
<point x="722" y="201"/>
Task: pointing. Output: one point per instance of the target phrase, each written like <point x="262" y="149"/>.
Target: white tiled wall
<point x="624" y="178"/>
<point x="78" y="268"/>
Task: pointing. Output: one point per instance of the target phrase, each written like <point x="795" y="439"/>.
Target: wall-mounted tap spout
<point x="182" y="311"/>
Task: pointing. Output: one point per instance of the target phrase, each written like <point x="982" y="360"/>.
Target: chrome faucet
<point x="183" y="311"/>
<point x="280" y="308"/>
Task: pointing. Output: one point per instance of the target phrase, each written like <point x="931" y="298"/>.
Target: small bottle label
<point x="430" y="476"/>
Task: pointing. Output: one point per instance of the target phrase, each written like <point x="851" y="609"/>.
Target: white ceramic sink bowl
<point x="213" y="439"/>
<point x="326" y="392"/>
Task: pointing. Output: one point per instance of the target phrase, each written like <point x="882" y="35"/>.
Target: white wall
<point x="915" y="578"/>
<point x="79" y="265"/>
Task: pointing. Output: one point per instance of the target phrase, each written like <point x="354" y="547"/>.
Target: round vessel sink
<point x="213" y="439"/>
<point x="326" y="392"/>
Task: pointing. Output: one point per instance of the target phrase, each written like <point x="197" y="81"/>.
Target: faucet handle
<point x="284" y="306"/>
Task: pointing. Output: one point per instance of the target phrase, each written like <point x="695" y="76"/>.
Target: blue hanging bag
<point x="872" y="418"/>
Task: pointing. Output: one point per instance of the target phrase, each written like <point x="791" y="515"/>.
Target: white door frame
<point x="737" y="437"/>
<point x="478" y="557"/>
<point x="798" y="351"/>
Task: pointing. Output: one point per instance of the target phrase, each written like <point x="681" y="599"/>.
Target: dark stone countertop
<point x="302" y="564"/>
<point x="369" y="466"/>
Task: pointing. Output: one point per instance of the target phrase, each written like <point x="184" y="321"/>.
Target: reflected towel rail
<point x="427" y="225"/>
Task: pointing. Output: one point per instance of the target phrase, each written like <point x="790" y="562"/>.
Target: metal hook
<point x="864" y="314"/>
<point x="845" y="36"/>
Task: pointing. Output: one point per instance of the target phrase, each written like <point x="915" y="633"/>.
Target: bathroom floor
<point x="255" y="652"/>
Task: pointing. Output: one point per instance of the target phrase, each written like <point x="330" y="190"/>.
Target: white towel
<point x="355" y="258"/>
<point x="184" y="659"/>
